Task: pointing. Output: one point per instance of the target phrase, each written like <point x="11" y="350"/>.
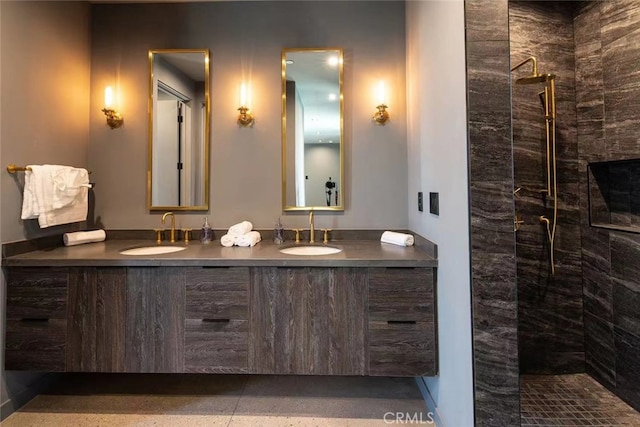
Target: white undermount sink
<point x="152" y="250"/>
<point x="310" y="250"/>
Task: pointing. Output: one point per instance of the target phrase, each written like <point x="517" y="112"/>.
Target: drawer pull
<point x="216" y="320"/>
<point x="401" y="322"/>
<point x="33" y="319"/>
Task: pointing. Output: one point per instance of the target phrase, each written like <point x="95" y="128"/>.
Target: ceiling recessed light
<point x="289" y="61"/>
<point x="333" y="61"/>
<point x="332" y="97"/>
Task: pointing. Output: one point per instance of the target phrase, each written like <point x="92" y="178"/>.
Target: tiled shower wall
<point x="607" y="101"/>
<point x="495" y="340"/>
<point x="607" y="40"/>
<point x="550" y="324"/>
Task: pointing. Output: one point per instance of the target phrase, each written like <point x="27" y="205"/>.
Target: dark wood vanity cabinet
<point x="402" y="322"/>
<point x="265" y="320"/>
<point x="216" y="337"/>
<point x="36" y="329"/>
<point x="154" y="319"/>
<point x="96" y="319"/>
<point x="308" y="321"/>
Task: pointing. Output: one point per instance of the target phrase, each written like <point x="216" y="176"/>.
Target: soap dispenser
<point x="207" y="234"/>
<point x="278" y="233"/>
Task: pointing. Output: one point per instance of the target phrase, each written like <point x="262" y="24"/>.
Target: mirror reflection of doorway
<point x="172" y="150"/>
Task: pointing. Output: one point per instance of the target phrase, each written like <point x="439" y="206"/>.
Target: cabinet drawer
<point x="217" y="293"/>
<point x="36" y="293"/>
<point x="402" y="349"/>
<point x="36" y="345"/>
<point x="401" y="294"/>
<point x="216" y="346"/>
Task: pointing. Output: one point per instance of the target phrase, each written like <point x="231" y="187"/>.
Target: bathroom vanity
<point x="368" y="310"/>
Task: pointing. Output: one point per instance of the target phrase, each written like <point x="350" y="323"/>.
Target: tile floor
<point x="222" y="400"/>
<point x="571" y="400"/>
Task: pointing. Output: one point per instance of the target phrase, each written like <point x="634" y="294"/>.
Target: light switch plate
<point x="420" y="202"/>
<point x="434" y="203"/>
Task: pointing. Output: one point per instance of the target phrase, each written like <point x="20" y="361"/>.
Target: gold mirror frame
<point x="206" y="141"/>
<point x="340" y="186"/>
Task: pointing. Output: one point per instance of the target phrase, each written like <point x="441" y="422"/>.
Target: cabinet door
<point x="308" y="321"/>
<point x="155" y="319"/>
<point x="36" y="319"/>
<point x="402" y="333"/>
<point x="95" y="323"/>
<point x="216" y="320"/>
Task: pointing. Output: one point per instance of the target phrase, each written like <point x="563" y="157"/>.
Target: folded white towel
<point x="227" y="240"/>
<point x="249" y="239"/>
<point x="80" y="237"/>
<point x="400" y="239"/>
<point x="240" y="228"/>
<point x="68" y="186"/>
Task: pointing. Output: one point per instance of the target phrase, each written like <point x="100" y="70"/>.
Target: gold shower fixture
<point x="548" y="98"/>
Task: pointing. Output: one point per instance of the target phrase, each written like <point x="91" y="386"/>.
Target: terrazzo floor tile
<point x="110" y="400"/>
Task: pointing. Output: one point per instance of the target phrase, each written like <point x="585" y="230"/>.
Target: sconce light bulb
<point x="243" y="95"/>
<point x="381" y="93"/>
<point x="245" y="118"/>
<point x="114" y="118"/>
<point x="108" y="97"/>
<point x="381" y="116"/>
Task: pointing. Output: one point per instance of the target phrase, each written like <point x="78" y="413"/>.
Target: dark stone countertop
<point x="355" y="253"/>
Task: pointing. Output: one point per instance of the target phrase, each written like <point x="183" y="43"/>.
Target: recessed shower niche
<point x="614" y="195"/>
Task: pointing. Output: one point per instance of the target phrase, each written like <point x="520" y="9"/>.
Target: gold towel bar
<point x="13" y="168"/>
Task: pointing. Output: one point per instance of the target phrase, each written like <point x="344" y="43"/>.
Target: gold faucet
<point x="173" y="225"/>
<point x="312" y="230"/>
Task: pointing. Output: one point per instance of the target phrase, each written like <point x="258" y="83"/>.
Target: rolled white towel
<point x="400" y="239"/>
<point x="80" y="237"/>
<point x="227" y="241"/>
<point x="240" y="228"/>
<point x="249" y="239"/>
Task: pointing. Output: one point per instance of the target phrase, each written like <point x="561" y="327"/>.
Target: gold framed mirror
<point x="179" y="136"/>
<point x="312" y="129"/>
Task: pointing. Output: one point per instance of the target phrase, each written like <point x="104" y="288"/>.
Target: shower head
<point x="536" y="78"/>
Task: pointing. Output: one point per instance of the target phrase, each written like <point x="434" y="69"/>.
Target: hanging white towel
<point x="249" y="239"/>
<point x="40" y="194"/>
<point x="68" y="185"/>
<point x="400" y="239"/>
<point x="30" y="208"/>
<point x="239" y="229"/>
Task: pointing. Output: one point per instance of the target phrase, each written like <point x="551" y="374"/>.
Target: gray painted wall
<point x="437" y="148"/>
<point x="245" y="40"/>
<point x="45" y="119"/>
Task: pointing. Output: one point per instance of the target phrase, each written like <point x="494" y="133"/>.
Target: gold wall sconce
<point x="114" y="118"/>
<point x="381" y="116"/>
<point x="245" y="118"/>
